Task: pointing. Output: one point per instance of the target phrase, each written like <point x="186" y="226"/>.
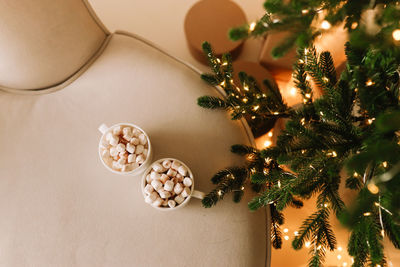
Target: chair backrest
<point x="45" y="44"/>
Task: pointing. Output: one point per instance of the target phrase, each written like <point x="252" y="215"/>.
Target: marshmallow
<point x="179" y="199"/>
<point x="155" y="175"/>
<point x="158" y="168"/>
<point x="148" y="200"/>
<point x="117" y="130"/>
<point x="130" y="148"/>
<point x="182" y="171"/>
<point x="164" y="178"/>
<point x="104" y="143"/>
<point x="109" y="136"/>
<point x="171" y="203"/>
<point x="114" y="140"/>
<point x="139" y="149"/>
<point x="178" y="188"/>
<point x="151" y="198"/>
<point x="158" y="202"/>
<point x="145" y="151"/>
<point x="186" y="192"/>
<point x="156" y="184"/>
<point x="175" y="165"/>
<point x="148" y="189"/>
<point x="148" y="178"/>
<point x="136" y="132"/>
<point x="187" y="181"/>
<point x="140" y="158"/>
<point x="121" y="148"/>
<point x="164" y="194"/>
<point x="142" y="139"/>
<point x="122" y="161"/>
<point x="113" y="152"/>
<point x="127" y="131"/>
<point x="123" y="154"/>
<point x="169" y="186"/>
<point x="166" y="164"/>
<point x="116" y="165"/>
<point x="134" y="141"/>
<point x="127" y="137"/>
<point x="124" y="168"/>
<point x="171" y="173"/>
<point x="131" y="158"/>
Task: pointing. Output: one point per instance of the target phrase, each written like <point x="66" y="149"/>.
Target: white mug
<point x="193" y="193"/>
<point x="104" y="129"/>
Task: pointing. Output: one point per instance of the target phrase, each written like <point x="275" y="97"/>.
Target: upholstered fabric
<point x="60" y="207"/>
<point x="45" y="42"/>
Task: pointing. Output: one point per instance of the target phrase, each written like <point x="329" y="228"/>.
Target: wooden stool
<point x="210" y="20"/>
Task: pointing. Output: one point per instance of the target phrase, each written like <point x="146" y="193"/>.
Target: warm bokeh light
<point x="325" y="25"/>
<point x="396" y="35"/>
<point x="252" y="26"/>
<point x="373" y="188"/>
<point x="267" y="143"/>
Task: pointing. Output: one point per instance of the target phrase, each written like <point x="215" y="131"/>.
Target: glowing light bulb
<point x="252" y="26"/>
<point x="296" y="233"/>
<point x="293" y="91"/>
<point x="325" y="25"/>
<point x="270" y="134"/>
<point x="367" y="214"/>
<point x="307" y="244"/>
<point x="373" y="188"/>
<point x="339" y="257"/>
<point x="286" y="237"/>
<point x="369" y="82"/>
<point x="285" y="230"/>
<point x="384" y="164"/>
<point x="267" y="143"/>
<point x="256" y="107"/>
<point x="245" y="100"/>
<point x="340" y="248"/>
<point x="308" y="95"/>
<point x="354" y="25"/>
<point x="344" y="264"/>
<point x="304" y="11"/>
<point x="396" y="35"/>
<point x="219" y="192"/>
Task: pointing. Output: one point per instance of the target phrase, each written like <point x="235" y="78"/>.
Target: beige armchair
<point x="58" y="205"/>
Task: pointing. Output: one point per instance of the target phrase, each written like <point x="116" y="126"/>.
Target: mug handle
<point x="103" y="128"/>
<point x="198" y="194"/>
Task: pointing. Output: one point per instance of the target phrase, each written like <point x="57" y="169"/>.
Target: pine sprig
<point x="353" y="126"/>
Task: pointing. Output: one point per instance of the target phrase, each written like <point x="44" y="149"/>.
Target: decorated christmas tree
<point x="354" y="126"/>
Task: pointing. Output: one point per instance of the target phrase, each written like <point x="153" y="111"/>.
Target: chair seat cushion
<point x="59" y="206"/>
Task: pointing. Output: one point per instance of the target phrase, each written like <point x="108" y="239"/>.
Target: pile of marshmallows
<point x="124" y="148"/>
<point x="167" y="184"/>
